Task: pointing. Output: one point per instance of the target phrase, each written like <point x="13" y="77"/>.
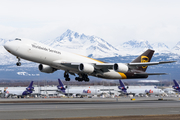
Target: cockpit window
<point x="18" y="39"/>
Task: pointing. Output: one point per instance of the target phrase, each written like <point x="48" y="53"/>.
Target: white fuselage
<point x="14" y="91"/>
<point x="145" y="91"/>
<point x="40" y="53"/>
<point x="82" y="91"/>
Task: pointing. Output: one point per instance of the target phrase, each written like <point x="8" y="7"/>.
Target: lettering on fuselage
<point x="86" y="91"/>
<point x="46" y="49"/>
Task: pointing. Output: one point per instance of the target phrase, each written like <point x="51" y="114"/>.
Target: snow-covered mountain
<point x="134" y="47"/>
<point x="91" y="46"/>
<point x="160" y="47"/>
<point x="176" y="48"/>
<point x="94" y="47"/>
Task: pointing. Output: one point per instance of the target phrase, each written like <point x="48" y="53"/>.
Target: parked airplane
<point x="176" y="86"/>
<point x="77" y="92"/>
<point x="19" y="93"/>
<point x="169" y="91"/>
<point x="52" y="59"/>
<point x="142" y="91"/>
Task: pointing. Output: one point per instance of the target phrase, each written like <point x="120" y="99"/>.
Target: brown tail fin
<point x="145" y="57"/>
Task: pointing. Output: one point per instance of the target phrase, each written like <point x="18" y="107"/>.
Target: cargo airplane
<point x="19" y="93"/>
<point x="51" y="59"/>
<point x="141" y="91"/>
<point x="77" y="91"/>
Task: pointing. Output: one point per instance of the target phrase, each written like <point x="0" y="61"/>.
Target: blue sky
<point x="116" y="21"/>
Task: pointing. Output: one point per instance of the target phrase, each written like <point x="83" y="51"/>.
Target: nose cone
<point x="10" y="46"/>
<point x="6" y="46"/>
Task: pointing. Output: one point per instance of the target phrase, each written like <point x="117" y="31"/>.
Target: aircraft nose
<point x="6" y="46"/>
<point x="10" y="46"/>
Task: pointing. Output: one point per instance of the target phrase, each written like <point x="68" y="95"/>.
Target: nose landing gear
<point x="18" y="63"/>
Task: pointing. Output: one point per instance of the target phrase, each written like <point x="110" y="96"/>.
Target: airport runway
<point x="88" y="108"/>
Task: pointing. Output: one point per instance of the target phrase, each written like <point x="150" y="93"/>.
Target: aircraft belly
<point x="112" y="75"/>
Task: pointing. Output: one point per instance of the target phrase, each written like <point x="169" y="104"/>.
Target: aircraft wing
<point x="97" y="66"/>
<point x="104" y="67"/>
<point x="149" y="63"/>
<point x="110" y="65"/>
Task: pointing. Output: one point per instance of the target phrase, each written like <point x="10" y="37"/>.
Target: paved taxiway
<point x="87" y="108"/>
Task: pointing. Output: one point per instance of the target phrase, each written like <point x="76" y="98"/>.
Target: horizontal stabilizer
<point x="149" y="63"/>
<point x="150" y="73"/>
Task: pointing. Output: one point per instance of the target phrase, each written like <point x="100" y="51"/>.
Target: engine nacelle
<point x="86" y="68"/>
<point x="120" y="67"/>
<point x="46" y="68"/>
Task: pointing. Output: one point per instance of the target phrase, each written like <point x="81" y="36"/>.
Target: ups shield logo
<point x="143" y="60"/>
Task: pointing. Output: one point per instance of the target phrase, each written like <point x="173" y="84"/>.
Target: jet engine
<point x="120" y="67"/>
<point x="86" y="68"/>
<point x="46" y="68"/>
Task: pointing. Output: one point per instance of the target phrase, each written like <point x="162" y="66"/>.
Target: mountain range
<point x="94" y="47"/>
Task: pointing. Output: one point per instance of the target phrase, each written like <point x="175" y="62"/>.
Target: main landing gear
<point x="18" y="63"/>
<point x="83" y="77"/>
<point x="66" y="76"/>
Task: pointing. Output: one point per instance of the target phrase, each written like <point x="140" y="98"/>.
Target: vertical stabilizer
<point x="145" y="57"/>
<point x="29" y="89"/>
<point x="122" y="86"/>
<point x="175" y="83"/>
<point x="61" y="86"/>
<point x="176" y="86"/>
<point x="31" y="84"/>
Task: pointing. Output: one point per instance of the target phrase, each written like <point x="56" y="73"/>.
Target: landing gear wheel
<point x="79" y="79"/>
<point x="86" y="80"/>
<point x="76" y="78"/>
<point x="67" y="79"/>
<point x="66" y="75"/>
<point x="83" y="77"/>
<point x="18" y="63"/>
